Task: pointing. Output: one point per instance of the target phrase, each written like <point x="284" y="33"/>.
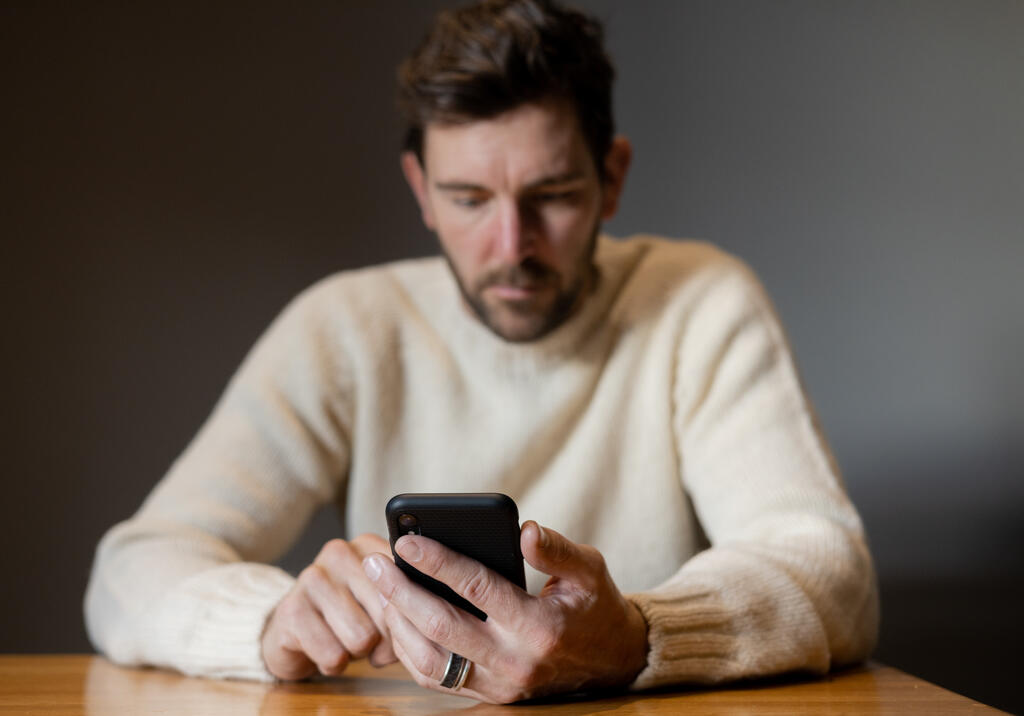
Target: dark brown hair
<point x="485" y="59"/>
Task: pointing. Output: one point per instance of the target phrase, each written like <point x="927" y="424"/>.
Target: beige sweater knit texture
<point x="664" y="423"/>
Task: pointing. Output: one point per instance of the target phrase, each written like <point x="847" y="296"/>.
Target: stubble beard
<point x="534" y="323"/>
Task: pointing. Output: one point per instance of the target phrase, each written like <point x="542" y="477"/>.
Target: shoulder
<point x="371" y="293"/>
<point x="682" y="273"/>
<point x="342" y="321"/>
<point x="371" y="284"/>
<point x="354" y="311"/>
<point x="685" y="259"/>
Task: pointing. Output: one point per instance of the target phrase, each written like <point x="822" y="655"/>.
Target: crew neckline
<point x="567" y="342"/>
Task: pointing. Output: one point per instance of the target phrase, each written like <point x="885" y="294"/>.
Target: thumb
<point x="554" y="554"/>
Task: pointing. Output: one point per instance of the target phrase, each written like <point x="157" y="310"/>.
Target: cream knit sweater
<point x="665" y="416"/>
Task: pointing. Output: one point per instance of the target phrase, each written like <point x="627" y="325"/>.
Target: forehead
<point x="523" y="144"/>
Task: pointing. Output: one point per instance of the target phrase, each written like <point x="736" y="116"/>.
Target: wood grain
<point x="81" y="684"/>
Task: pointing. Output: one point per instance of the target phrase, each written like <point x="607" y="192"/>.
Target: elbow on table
<point x="103" y="623"/>
<point x="849" y="607"/>
<point x="857" y="634"/>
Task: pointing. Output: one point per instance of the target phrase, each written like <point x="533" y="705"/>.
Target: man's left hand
<point x="578" y="633"/>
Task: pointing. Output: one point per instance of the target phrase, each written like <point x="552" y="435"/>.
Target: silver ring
<point x="455" y="672"/>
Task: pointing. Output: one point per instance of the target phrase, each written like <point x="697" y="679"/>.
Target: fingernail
<point x="410" y="551"/>
<point x="542" y="537"/>
<point x="371" y="568"/>
<point x="383" y="600"/>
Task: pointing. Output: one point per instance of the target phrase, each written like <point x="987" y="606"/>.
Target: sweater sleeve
<point x="185" y="583"/>
<point x="787" y="583"/>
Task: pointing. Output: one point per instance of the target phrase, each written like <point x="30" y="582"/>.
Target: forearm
<point x="181" y="603"/>
<point x="788" y="583"/>
<point x="804" y="602"/>
<point x="184" y="583"/>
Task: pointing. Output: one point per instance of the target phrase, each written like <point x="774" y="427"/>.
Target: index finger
<point x="482" y="587"/>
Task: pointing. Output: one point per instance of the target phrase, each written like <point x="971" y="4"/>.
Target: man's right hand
<point x="331" y="616"/>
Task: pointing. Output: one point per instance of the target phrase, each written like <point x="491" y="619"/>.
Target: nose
<point x="516" y="234"/>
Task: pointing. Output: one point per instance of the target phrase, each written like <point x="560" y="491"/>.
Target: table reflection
<point x="109" y="689"/>
<point x="113" y="689"/>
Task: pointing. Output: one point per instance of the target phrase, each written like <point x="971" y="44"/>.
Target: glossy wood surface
<point x="77" y="684"/>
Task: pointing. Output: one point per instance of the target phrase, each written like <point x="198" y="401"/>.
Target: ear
<point x="417" y="179"/>
<point x="616" y="166"/>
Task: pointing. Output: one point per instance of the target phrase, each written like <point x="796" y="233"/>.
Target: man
<point x="637" y="398"/>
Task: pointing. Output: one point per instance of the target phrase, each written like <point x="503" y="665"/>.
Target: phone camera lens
<point x="407" y="522"/>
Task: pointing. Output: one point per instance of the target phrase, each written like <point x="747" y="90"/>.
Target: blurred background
<point x="173" y="173"/>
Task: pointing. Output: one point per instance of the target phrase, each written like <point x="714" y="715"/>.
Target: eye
<point x="468" y="202"/>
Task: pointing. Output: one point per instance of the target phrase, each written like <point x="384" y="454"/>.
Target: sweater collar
<point x="573" y="340"/>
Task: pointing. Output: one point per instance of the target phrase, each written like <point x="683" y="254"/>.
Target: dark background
<point x="173" y="173"/>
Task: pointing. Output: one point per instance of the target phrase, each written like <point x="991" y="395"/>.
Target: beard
<point x="528" y="320"/>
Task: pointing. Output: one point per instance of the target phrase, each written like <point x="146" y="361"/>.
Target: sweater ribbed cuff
<point x="729" y="615"/>
<point x="688" y="637"/>
<point x="210" y="624"/>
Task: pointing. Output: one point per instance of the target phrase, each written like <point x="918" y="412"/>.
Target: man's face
<point x="516" y="203"/>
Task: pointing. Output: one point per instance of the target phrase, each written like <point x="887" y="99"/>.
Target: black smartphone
<point x="481" y="525"/>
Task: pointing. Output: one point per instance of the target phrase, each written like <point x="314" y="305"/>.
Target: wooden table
<point x="77" y="684"/>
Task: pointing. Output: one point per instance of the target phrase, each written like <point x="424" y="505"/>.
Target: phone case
<point x="482" y="526"/>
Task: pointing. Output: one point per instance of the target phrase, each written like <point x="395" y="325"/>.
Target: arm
<point x="788" y="582"/>
<point x="184" y="583"/>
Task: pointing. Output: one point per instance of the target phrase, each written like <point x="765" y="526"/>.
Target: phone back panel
<point x="482" y="526"/>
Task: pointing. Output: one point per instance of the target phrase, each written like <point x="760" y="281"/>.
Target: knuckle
<point x="596" y="567"/>
<point x="423" y="666"/>
<point x="333" y="550"/>
<point x="389" y="590"/>
<point x="592" y="555"/>
<point x="560" y="550"/>
<point x="289" y="668"/>
<point x="312" y="577"/>
<point x="431" y="560"/>
<point x="597" y="561"/>
<point x="363" y="640"/>
<point x="333" y="659"/>
<point x="382" y="655"/>
<point x="438" y="627"/>
<point x="478" y="586"/>
<point x="368" y="542"/>
<point x="290" y="609"/>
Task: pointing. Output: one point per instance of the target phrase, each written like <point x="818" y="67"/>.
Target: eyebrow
<point x="555" y="180"/>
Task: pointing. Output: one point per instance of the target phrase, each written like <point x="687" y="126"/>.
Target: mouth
<point x="517" y="292"/>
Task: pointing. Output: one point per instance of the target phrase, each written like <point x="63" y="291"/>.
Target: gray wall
<point x="172" y="175"/>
